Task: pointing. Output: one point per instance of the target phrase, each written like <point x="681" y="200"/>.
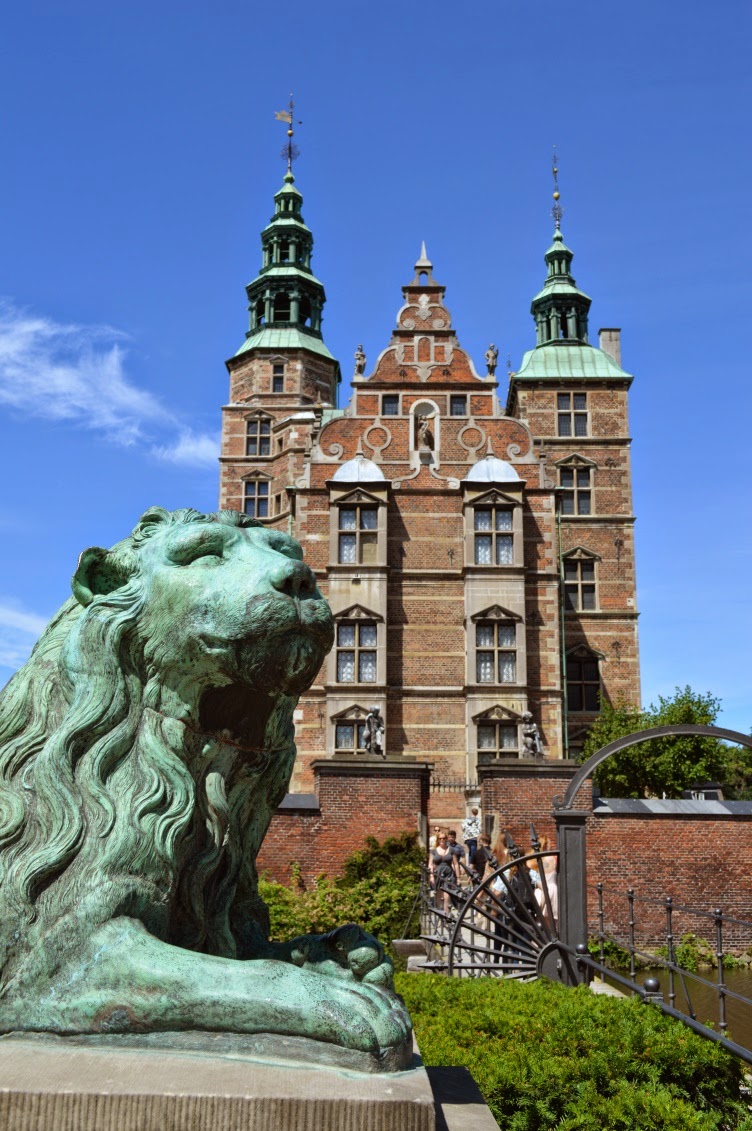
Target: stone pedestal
<point x="69" y="1084"/>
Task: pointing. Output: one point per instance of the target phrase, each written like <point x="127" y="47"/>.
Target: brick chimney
<point x="609" y="340"/>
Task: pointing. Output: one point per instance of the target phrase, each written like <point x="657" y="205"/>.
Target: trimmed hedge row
<point x="545" y="1056"/>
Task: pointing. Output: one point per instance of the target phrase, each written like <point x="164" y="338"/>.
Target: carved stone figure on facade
<point x="373" y="739"/>
<point x="360" y="362"/>
<point x="531" y="744"/>
<point x="492" y="357"/>
<point x="425" y="435"/>
<point x="143" y="750"/>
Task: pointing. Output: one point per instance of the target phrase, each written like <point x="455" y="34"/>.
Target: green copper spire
<point x="286" y="295"/>
<point x="560" y="310"/>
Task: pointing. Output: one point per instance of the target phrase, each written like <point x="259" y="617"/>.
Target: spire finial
<point x="290" y="152"/>
<point x="557" y="211"/>
<point x="423" y="262"/>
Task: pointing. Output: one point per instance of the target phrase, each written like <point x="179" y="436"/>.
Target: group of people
<point x="452" y="864"/>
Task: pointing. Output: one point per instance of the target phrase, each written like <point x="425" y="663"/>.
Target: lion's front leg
<point x="126" y="980"/>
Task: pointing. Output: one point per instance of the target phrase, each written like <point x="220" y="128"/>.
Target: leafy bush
<point x="377" y="891"/>
<point x="545" y="1056"/>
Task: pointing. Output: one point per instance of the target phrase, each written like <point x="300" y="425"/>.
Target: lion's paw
<point x="346" y="952"/>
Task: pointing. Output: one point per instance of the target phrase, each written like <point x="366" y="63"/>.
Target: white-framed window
<point x="357" y="535"/>
<point x="495" y="652"/>
<point x="576" y="493"/>
<point x="390" y="404"/>
<point x="579" y="584"/>
<point x="572" y="417"/>
<point x="256" y="498"/>
<point x="493" y="538"/>
<point x="258" y="436"/>
<point x="356" y="651"/>
<point x="349" y="737"/>
<point x="497" y="739"/>
<point x="458" y="404"/>
<point x="583" y="681"/>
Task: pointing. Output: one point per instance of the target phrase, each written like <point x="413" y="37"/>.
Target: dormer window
<point x="258" y="437"/>
<point x="494" y="541"/>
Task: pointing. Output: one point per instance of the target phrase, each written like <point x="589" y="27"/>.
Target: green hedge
<point x="545" y="1056"/>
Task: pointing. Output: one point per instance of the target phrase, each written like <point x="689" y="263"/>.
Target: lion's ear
<point x="99" y="571"/>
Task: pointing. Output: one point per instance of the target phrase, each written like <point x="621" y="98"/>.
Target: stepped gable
<point x="423" y="372"/>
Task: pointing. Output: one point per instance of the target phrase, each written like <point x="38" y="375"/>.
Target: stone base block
<point x="66" y="1084"/>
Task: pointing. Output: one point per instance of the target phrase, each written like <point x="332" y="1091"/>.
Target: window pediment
<point x="497" y="714"/>
<point x="495" y="612"/>
<point x="255" y="475"/>
<point x="575" y="461"/>
<point x="580" y="554"/>
<point x="356" y="713"/>
<point x="257" y="414"/>
<point x="359" y="496"/>
<point x="584" y="652"/>
<point x="358" y="612"/>
<point x="493" y="498"/>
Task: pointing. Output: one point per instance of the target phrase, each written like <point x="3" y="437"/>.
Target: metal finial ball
<point x="557" y="195"/>
<point x="289" y="133"/>
<point x="652" y="985"/>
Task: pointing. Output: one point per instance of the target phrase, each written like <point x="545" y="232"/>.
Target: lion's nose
<point x="293" y="578"/>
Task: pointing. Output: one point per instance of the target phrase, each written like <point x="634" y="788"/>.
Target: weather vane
<point x="290" y="152"/>
<point x="557" y="211"/>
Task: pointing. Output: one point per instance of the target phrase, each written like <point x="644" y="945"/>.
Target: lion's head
<point x="149" y="738"/>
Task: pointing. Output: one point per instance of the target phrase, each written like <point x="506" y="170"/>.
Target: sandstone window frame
<point x="258" y="430"/>
<point x="576" y="487"/>
<point x="572" y="415"/>
<point x="584" y="679"/>
<point x="356" y="644"/>
<point x="257" y="496"/>
<point x="495" y="616"/>
<point x="494" y="499"/>
<point x="351" y="719"/>
<point x="390" y="404"/>
<point x="579" y="569"/>
<point x="278" y="377"/>
<point x="496" y="734"/>
<point x="358" y="500"/>
<point x="458" y="404"/>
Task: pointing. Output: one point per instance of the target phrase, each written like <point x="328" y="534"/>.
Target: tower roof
<point x="285" y="299"/>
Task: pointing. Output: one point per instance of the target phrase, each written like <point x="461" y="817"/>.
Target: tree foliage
<point x="666" y="765"/>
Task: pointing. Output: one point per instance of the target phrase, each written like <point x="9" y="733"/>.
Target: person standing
<point x="457" y="849"/>
<point x="471" y="832"/>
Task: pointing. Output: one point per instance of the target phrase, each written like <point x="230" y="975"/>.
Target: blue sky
<point x="140" y="159"/>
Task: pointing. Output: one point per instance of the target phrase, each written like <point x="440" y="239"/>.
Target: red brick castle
<point x="478" y="555"/>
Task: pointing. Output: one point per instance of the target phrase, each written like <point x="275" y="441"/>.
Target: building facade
<point x="477" y="553"/>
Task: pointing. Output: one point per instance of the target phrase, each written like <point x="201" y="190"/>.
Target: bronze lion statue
<point x="143" y="751"/>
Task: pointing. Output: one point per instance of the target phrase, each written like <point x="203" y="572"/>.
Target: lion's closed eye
<point x="198" y="546"/>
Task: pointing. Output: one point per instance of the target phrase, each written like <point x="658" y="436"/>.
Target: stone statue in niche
<point x="373" y="739"/>
<point x="360" y="362"/>
<point x="531" y="744"/>
<point x="144" y="748"/>
<point x="424" y="435"/>
<point x="492" y="358"/>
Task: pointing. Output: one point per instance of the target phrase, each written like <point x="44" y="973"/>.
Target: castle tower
<point x="573" y="397"/>
<point x="283" y="377"/>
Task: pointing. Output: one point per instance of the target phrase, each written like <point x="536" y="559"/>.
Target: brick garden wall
<point x="355" y="800"/>
<point x="702" y="861"/>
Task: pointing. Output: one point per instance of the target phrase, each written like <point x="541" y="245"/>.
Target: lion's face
<point x="232" y="622"/>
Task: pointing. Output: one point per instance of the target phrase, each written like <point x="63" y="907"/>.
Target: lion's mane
<point x="95" y="787"/>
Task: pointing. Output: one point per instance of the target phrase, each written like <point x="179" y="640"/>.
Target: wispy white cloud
<point x="76" y="373"/>
<point x="19" y="629"/>
<point x="191" y="449"/>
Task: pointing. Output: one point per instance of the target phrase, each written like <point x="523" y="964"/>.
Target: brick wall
<point x="356" y="798"/>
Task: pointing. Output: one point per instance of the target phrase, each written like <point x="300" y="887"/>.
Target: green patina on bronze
<point x="143" y="751"/>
